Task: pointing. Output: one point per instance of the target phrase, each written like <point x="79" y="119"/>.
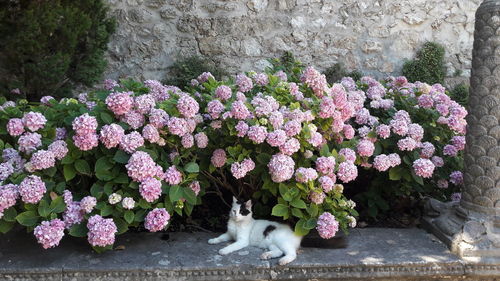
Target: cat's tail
<point x="313" y="240"/>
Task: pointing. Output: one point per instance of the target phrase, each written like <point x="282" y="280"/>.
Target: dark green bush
<point x="288" y="64"/>
<point x="185" y="69"/>
<point x="460" y="94"/>
<point x="50" y="46"/>
<point x="428" y="66"/>
<point x="337" y="71"/>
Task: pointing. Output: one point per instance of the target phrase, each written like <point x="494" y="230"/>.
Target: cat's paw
<point x="265" y="256"/>
<point x="224" y="251"/>
<point x="213" y="241"/>
<point x="285" y="260"/>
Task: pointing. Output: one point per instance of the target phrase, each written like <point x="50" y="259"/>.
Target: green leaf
<point x="121" y="225"/>
<point x="280" y="210"/>
<point x="192" y="167"/>
<point x="395" y="173"/>
<point x="325" y="151"/>
<point x="96" y="190"/>
<point x="175" y="193"/>
<point x="79" y="230"/>
<point x="106" y="210"/>
<point x="297" y="213"/>
<point x="107" y="118"/>
<point x="129" y="216"/>
<point x="28" y="218"/>
<point x="313" y="210"/>
<point x="83" y="167"/>
<point x="298" y="203"/>
<point x="189" y="195"/>
<point x="5" y="226"/>
<point x="283" y="191"/>
<point x="300" y="229"/>
<point x="43" y="208"/>
<point x="310" y="223"/>
<point x="418" y="179"/>
<point x="121" y="178"/>
<point x="121" y="157"/>
<point x="69" y="172"/>
<point x="103" y="164"/>
<point x="57" y="205"/>
<point x="10" y="214"/>
<point x="67" y="159"/>
<point x="263" y="158"/>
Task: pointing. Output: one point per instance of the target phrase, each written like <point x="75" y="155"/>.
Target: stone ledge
<point x="374" y="253"/>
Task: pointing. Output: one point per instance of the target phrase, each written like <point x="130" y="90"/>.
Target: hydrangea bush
<point x="137" y="154"/>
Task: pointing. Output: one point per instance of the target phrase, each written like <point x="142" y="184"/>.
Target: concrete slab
<point x="373" y="253"/>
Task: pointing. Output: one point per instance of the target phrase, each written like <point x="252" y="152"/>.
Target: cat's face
<point x="241" y="210"/>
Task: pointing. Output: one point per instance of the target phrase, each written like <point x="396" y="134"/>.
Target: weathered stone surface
<point x="374" y="253"/>
<point x="373" y="36"/>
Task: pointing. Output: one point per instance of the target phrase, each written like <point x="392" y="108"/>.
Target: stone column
<point x="472" y="227"/>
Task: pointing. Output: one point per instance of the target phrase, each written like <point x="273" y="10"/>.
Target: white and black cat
<point x="279" y="239"/>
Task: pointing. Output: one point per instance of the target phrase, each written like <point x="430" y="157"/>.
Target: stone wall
<point x="374" y="36"/>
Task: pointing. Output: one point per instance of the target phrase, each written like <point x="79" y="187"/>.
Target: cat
<point x="279" y="239"/>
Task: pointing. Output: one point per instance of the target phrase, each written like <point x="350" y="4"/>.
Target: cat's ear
<point x="235" y="200"/>
<point x="248" y="204"/>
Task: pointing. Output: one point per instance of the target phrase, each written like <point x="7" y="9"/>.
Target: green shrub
<point x="288" y="64"/>
<point x="460" y="94"/>
<point x="428" y="66"/>
<point x="185" y="69"/>
<point x="336" y="72"/>
<point x="49" y="47"/>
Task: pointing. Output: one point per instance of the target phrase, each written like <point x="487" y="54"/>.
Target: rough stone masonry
<point x="374" y="36"/>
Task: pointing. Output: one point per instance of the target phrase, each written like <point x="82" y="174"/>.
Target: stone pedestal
<point x="471" y="228"/>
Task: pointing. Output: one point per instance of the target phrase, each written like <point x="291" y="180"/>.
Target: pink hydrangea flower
<point x="34" y="121"/>
<point x="244" y="83"/>
<point x="281" y="167"/>
<point x="42" y="159"/>
<point x="187" y="106"/>
<point x="456" y="178"/>
<point x="60" y="133"/>
<point x="88" y="203"/>
<point x="291" y="146"/>
<point x="456" y="197"/>
<point x="399" y="127"/>
<point x="239" y="110"/>
<point x="150" y="189"/>
<point x="316" y="139"/>
<point x="195" y="187"/>
<point x="442" y="183"/>
<point x="150" y="133"/>
<point x="381" y="163"/>
<point x="120" y="103"/>
<point x="347" y="171"/>
<point x="427" y="150"/>
<point x="156" y="220"/>
<point x="349" y="154"/>
<point x="407" y="144"/>
<point x="85" y="124"/>
<point x="327" y="226"/>
<point x="215" y="108"/>
<point x="173" y="176"/>
<point x="15" y="127"/>
<point x="204" y="77"/>
<point x="177" y="126"/>
<point x="141" y="166"/>
<point x="257" y="134"/>
<point x="223" y="92"/>
<point x="101" y="231"/>
<point x="326" y="107"/>
<point x="437" y="161"/>
<point x="315" y="80"/>
<point x="317" y="197"/>
<point x="218" y="158"/>
<point x="49" y="233"/>
<point x="292" y="128"/>
<point x="365" y="148"/>
<point x="133" y="118"/>
<point x="348" y="131"/>
<point x="111" y="135"/>
<point x="276" y="138"/>
<point x="86" y="142"/>
<point x="241" y="128"/>
<point x="144" y="103"/>
<point x="264" y="105"/>
<point x="458" y="142"/>
<point x="325" y="165"/>
<point x="9" y="194"/>
<point x="327" y="183"/>
<point x="201" y="140"/>
<point x="32" y="189"/>
<point x="415" y="131"/>
<point x="73" y="213"/>
<point x="276" y="120"/>
<point x="305" y="174"/>
<point x="110" y="84"/>
<point x="131" y="142"/>
<point x="261" y="79"/>
<point x="425" y="101"/>
<point x="59" y="148"/>
<point x="394" y="159"/>
<point x="187" y="141"/>
<point x="423" y="167"/>
<point x="281" y="75"/>
<point x="6" y="169"/>
<point x="128" y="203"/>
<point x="158" y="118"/>
<point x="450" y="150"/>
